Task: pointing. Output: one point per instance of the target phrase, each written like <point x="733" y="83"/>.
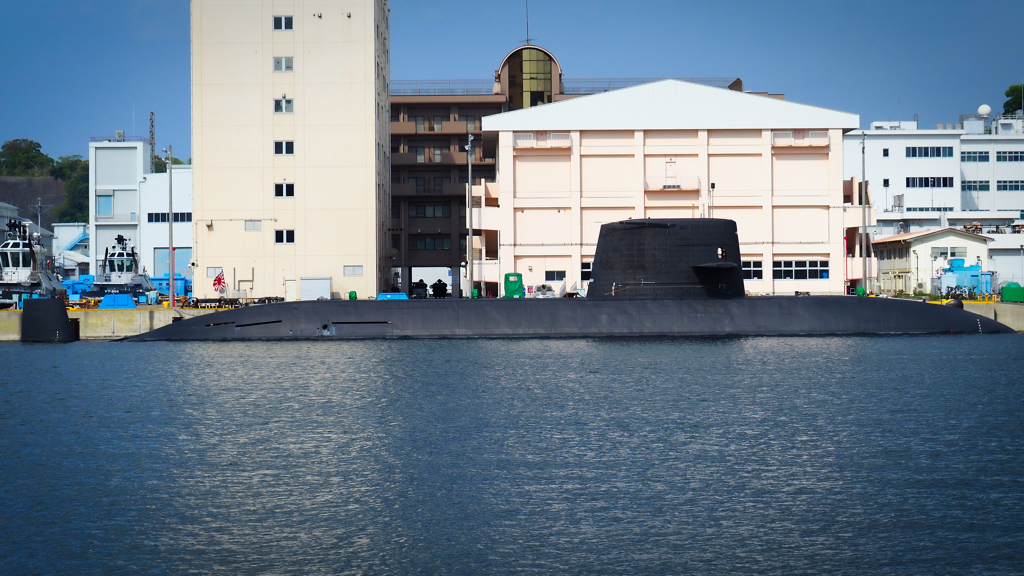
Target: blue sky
<point x="74" y="66"/>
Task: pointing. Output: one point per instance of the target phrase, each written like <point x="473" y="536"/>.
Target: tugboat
<point x="119" y="272"/>
<point x="24" y="268"/>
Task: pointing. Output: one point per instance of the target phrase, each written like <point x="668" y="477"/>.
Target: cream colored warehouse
<point x="655" y="151"/>
<point x="290" y="135"/>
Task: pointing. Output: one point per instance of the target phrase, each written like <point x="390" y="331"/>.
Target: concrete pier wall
<point x="104" y="324"/>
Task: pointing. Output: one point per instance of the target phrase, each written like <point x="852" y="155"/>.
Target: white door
<point x="289" y="291"/>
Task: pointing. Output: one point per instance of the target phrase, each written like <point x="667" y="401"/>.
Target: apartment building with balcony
<point x="967" y="175"/>
<point x="674" y="149"/>
<point x="431" y="122"/>
<point x="290" y="145"/>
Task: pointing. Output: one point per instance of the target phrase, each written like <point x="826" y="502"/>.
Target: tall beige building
<point x="290" y="146"/>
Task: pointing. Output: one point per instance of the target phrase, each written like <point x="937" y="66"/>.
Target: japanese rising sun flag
<point x="218" y="282"/>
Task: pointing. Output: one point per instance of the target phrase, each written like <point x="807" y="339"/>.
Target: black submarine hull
<point x="568" y="317"/>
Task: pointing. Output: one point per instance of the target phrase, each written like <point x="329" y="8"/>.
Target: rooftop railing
<point x="116" y="139"/>
<point x="574" y="86"/>
<point x="596" y="85"/>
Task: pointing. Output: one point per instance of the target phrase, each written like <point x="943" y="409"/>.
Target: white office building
<point x="126" y="199"/>
<point x="968" y="175"/>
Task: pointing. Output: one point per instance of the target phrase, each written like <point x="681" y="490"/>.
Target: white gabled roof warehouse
<point x="671" y="105"/>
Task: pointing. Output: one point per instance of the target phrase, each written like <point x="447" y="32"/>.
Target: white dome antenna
<point x="984" y="110"/>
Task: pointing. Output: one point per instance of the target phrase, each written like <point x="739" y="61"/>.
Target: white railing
<point x="782" y="139"/>
<point x="523" y="140"/>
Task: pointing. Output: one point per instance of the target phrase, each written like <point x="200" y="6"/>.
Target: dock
<point x="105" y="324"/>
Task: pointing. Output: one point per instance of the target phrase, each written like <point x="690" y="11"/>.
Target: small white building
<point x="127" y="199"/>
<point x="908" y="262"/>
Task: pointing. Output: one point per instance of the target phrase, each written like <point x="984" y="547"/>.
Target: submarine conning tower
<point x="667" y="259"/>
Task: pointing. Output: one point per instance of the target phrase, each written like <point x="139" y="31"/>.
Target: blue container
<point x="117" y="302"/>
<point x="392" y="296"/>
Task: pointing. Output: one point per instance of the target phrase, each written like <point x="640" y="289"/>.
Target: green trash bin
<point x="352" y="295"/>
<point x="860" y="291"/>
<point x="1012" y="292"/>
<point x="476" y="293"/>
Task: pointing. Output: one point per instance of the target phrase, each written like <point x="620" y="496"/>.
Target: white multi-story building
<point x="126" y="199"/>
<point x="290" y="145"/>
<point x="968" y="175"/>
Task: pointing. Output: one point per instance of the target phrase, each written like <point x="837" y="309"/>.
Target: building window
<point x="1009" y="156"/>
<point x="182" y="216"/>
<point x="284" y="236"/>
<point x="1009" y="185"/>
<point x="284" y="64"/>
<point x="104" y="206"/>
<point x="282" y="23"/>
<point x="430" y="211"/>
<point x="885" y="183"/>
<point x="885" y="152"/>
<point x="439" y="182"/>
<point x="253" y="225"/>
<point x="554" y="275"/>
<point x="930" y="182"/>
<point x="213" y="271"/>
<point x="929" y="209"/>
<point x="438" y="153"/>
<point x="420" y="182"/>
<point x="419" y="121"/>
<point x="353" y="270"/>
<point x="752" y="270"/>
<point x="284" y="147"/>
<point x="973" y="156"/>
<point x="439" y="122"/>
<point x="430" y="242"/>
<point x="470" y="122"/>
<point x="284" y="190"/>
<point x="284" y="106"/>
<point x="974" y="186"/>
<point x="800" y="269"/>
<point x="420" y="153"/>
<point x="929" y="151"/>
<point x="585" y="270"/>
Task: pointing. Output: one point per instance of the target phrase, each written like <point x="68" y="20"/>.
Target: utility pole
<point x="864" y="213"/>
<point x="170" y="219"/>
<point x="469" y="216"/>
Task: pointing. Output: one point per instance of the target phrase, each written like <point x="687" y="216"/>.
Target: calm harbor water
<point x="898" y="455"/>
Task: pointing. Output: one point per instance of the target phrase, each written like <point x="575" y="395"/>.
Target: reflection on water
<point x="601" y="456"/>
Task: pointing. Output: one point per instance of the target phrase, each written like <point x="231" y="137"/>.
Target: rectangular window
<point x="182" y="217"/>
<point x="885" y="183"/>
<point x="1009" y="185"/>
<point x="973" y="156"/>
<point x="752" y="270"/>
<point x="420" y="182"/>
<point x="284" y="190"/>
<point x="470" y="122"/>
<point x="554" y="275"/>
<point x="800" y="269"/>
<point x="1009" y="156"/>
<point x="439" y="153"/>
<point x="104" y="206"/>
<point x="284" y="106"/>
<point x="885" y="152"/>
<point x="586" y="268"/>
<point x="438" y="122"/>
<point x="420" y="152"/>
<point x="419" y="121"/>
<point x="284" y="64"/>
<point x="284" y="147"/>
<point x="930" y="182"/>
<point x="284" y="236"/>
<point x="212" y="271"/>
<point x="353" y="271"/>
<point x="430" y="242"/>
<point x="283" y="23"/>
<point x="439" y="182"/>
<point x="929" y="151"/>
<point x="253" y="225"/>
<point x="430" y="211"/>
<point x="974" y="186"/>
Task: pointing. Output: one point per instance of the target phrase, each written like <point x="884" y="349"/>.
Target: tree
<point x="1014" y="102"/>
<point x="23" y="157"/>
<point x="74" y="172"/>
<point x="160" y="166"/>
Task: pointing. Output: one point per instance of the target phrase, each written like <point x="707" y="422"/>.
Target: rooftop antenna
<point x="152" y="142"/>
<point x="527" y="22"/>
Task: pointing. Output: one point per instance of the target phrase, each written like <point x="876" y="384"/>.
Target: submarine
<point x="651" y="277"/>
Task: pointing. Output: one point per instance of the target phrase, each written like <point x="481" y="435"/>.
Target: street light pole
<point x="170" y="221"/>
<point x="469" y="216"/>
